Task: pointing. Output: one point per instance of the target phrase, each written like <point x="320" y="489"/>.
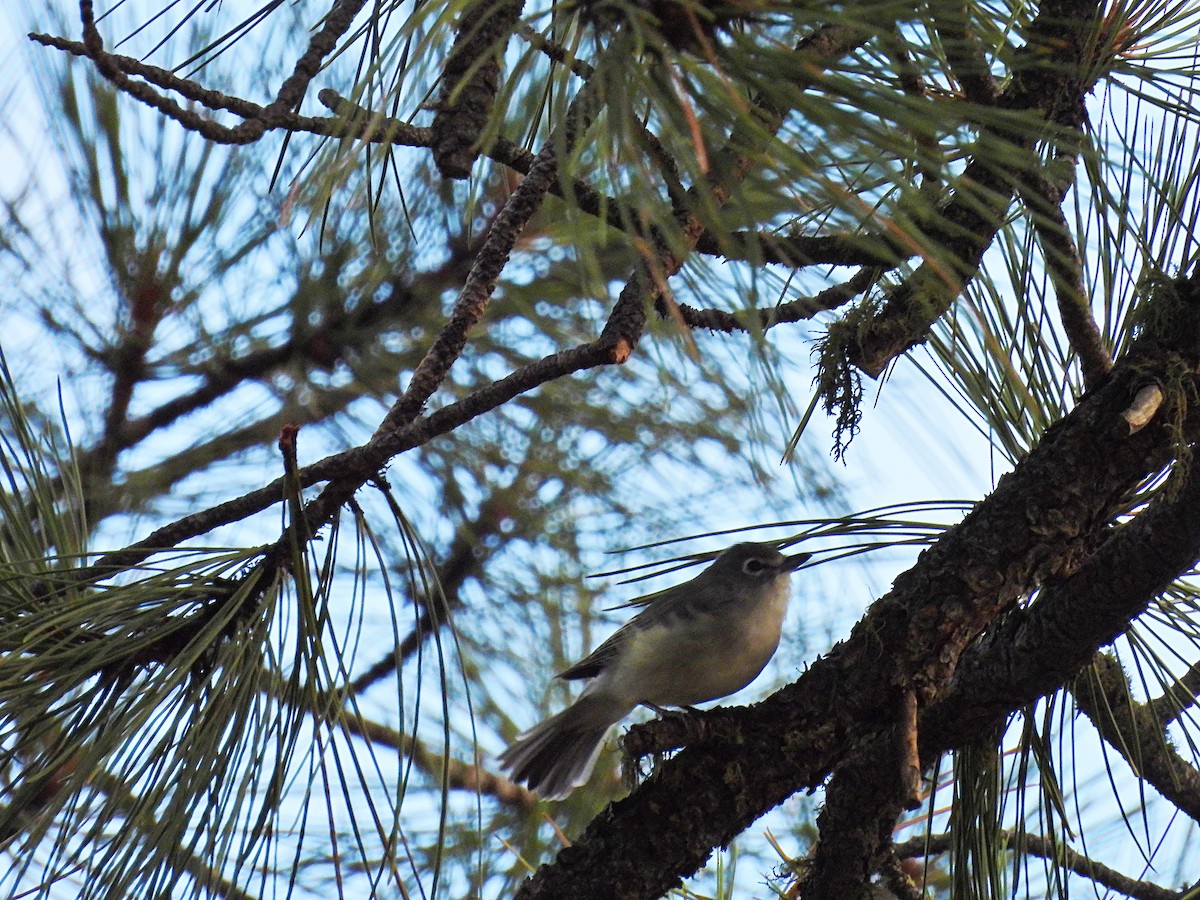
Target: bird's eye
<point x="753" y="566"/>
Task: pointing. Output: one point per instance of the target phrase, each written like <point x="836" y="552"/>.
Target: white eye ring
<point x="753" y="566"/>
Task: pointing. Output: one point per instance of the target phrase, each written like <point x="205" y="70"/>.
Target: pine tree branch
<point x="291" y="92"/>
<point x="799" y="310"/>
<point x="612" y="347"/>
<point x="473" y="300"/>
<point x="1135" y="732"/>
<point x="1026" y="533"/>
<point x="796" y="251"/>
<point x="343" y="330"/>
<point x="862" y="803"/>
<point x="1039" y="648"/>
<point x="350" y="120"/>
<point x="624" y="327"/>
<point x="1177" y="698"/>
<point x="459" y="775"/>
<point x="339" y="334"/>
<point x="1044" y="201"/>
<point x="180" y="859"/>
<point x="489" y="262"/>
<point x="965" y="55"/>
<point x="969" y="223"/>
<point x="470" y="81"/>
<point x="346" y="472"/>
<point x="555" y="51"/>
<point x="1046" y="848"/>
<point x="1033" y="653"/>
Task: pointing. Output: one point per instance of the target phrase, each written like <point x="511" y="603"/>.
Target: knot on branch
<point x="1166" y="326"/>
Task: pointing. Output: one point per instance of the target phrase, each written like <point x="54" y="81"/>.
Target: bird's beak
<point x="792" y="563"/>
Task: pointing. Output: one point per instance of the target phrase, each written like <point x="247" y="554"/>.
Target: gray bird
<point x="696" y="641"/>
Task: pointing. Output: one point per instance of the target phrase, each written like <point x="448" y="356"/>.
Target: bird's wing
<point x="660" y="606"/>
<point x="596" y="661"/>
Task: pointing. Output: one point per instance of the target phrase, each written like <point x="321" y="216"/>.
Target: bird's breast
<point x="702" y="655"/>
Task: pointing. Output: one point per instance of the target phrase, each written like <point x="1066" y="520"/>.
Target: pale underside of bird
<point x="694" y="642"/>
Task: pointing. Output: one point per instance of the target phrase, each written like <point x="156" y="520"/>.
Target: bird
<point x="697" y="641"/>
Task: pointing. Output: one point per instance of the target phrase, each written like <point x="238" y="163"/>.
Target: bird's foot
<point x="674" y="712"/>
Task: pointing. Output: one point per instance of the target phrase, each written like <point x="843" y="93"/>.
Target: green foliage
<point x="193" y="723"/>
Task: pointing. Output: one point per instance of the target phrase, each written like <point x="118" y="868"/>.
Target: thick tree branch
<point x="865" y="795"/>
<point x="863" y="799"/>
<point x="1035" y="652"/>
<point x="797" y="251"/>
<point x="1039" y="648"/>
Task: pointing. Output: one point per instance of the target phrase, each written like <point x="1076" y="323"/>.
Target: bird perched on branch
<point x="697" y="641"/>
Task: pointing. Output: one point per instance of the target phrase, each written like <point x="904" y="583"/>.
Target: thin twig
<point x="555" y="51"/>
<point x="1176" y="698"/>
<point x="445" y="594"/>
<point x="1046" y="848"/>
<point x="459" y="775"/>
<point x="1132" y="729"/>
<point x="798" y="310"/>
<point x="1066" y="274"/>
<point x="335" y="23"/>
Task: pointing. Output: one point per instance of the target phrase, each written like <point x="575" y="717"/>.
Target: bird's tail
<point x="558" y="755"/>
